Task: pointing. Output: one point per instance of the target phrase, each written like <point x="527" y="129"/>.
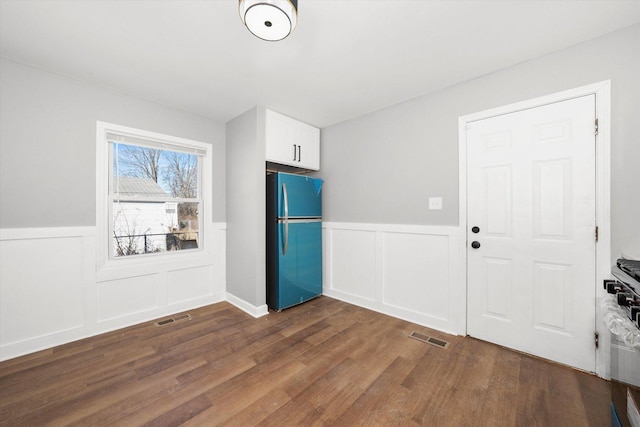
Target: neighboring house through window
<point x="150" y="192"/>
<point x="143" y="222"/>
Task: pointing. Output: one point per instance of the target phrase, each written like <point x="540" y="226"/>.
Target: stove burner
<point x="626" y="288"/>
<point x="631" y="267"/>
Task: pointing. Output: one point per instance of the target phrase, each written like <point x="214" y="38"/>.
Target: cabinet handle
<point x="294" y="152"/>
<point x="299" y="153"/>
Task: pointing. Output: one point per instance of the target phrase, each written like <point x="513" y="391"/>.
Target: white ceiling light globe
<point x="270" y="20"/>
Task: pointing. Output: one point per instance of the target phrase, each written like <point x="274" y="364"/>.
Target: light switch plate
<point x="435" y="203"/>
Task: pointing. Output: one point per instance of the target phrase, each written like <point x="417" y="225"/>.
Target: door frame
<point x="602" y="92"/>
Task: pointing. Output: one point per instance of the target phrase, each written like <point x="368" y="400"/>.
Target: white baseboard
<point x="250" y="309"/>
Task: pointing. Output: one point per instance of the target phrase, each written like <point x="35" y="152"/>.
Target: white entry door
<point x="531" y="195"/>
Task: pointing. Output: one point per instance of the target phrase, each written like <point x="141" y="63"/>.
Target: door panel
<point x="497" y="187"/>
<point x="498" y="295"/>
<point x="531" y="190"/>
<point x="551" y="283"/>
<point x="552" y="207"/>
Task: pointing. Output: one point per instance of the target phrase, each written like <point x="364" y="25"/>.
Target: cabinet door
<point x="290" y="142"/>
<point x="308" y="141"/>
<point x="279" y="147"/>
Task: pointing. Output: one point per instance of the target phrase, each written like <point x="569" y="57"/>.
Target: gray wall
<point x="246" y="209"/>
<point x="48" y="141"/>
<point x="383" y="167"/>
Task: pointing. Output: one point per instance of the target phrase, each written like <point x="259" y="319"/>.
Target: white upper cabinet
<point x="290" y="142"/>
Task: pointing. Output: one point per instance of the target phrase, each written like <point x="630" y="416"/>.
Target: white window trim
<point x="144" y="263"/>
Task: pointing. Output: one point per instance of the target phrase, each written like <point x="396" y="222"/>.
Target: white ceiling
<point x="346" y="57"/>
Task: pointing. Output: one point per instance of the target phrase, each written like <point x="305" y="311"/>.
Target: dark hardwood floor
<point x="321" y="363"/>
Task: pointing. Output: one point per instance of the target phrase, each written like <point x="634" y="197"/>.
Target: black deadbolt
<point x="475" y="229"/>
<point x="475" y="244"/>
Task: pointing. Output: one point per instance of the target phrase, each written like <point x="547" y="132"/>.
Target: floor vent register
<point x="429" y="340"/>
<point x="172" y="320"/>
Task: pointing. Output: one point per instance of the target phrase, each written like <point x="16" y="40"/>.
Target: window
<point x="153" y="203"/>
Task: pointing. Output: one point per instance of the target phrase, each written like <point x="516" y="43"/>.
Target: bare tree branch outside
<point x="181" y="175"/>
<point x="139" y="161"/>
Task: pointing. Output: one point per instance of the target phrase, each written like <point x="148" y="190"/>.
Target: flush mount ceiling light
<point x="270" y="20"/>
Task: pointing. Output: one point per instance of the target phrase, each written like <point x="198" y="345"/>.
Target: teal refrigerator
<point x="294" y="239"/>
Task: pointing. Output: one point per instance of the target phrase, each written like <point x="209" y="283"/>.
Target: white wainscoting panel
<point x="58" y="281"/>
<point x="416" y="273"/>
<point x="353" y="256"/>
<point x="127" y="296"/>
<point x="406" y="271"/>
<point x="51" y="293"/>
<point x="189" y="284"/>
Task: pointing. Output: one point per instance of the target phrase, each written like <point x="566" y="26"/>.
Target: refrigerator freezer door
<point x="303" y="196"/>
<point x="300" y="270"/>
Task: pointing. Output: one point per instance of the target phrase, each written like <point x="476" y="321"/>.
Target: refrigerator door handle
<point x="286" y="219"/>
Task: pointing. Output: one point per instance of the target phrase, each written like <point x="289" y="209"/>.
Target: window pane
<point x="152" y="224"/>
<point x="152" y="227"/>
<point x="150" y="172"/>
